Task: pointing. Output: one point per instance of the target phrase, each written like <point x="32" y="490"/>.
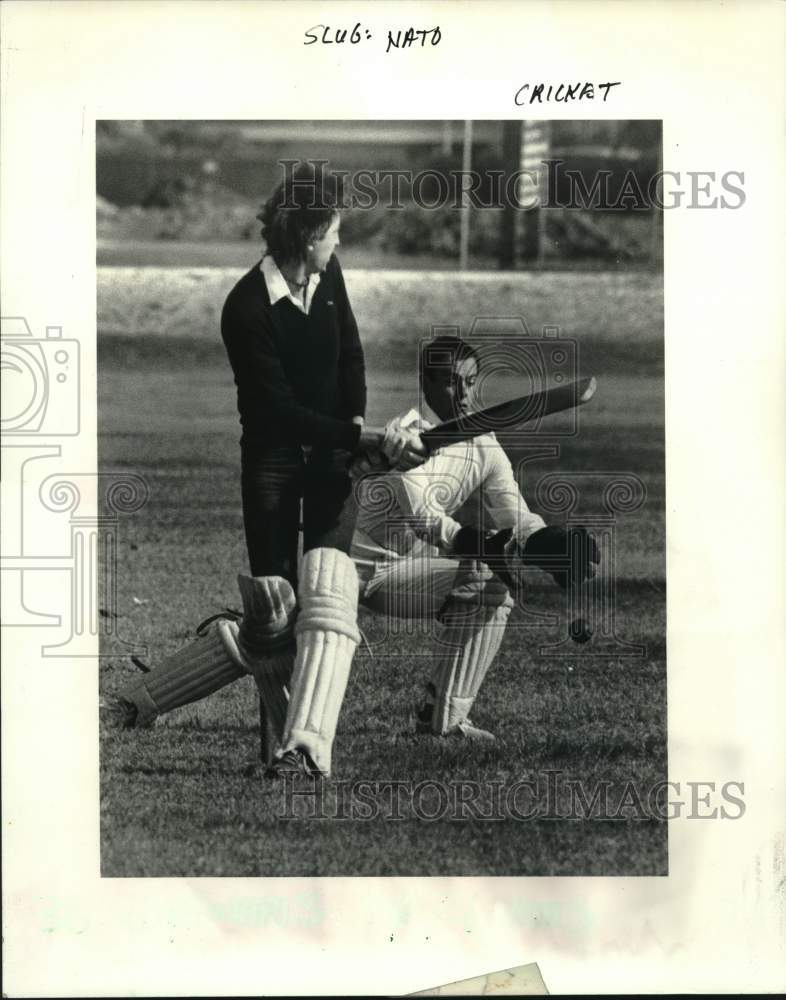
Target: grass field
<point x="188" y="797"/>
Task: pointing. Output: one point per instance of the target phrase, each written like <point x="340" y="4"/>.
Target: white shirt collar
<point x="277" y="287"/>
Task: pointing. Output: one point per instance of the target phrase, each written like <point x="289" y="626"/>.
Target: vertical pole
<point x="447" y="137"/>
<point x="535" y="145"/>
<point x="466" y="166"/>
<point x="264" y="735"/>
<point x="511" y="156"/>
<point x="543" y="188"/>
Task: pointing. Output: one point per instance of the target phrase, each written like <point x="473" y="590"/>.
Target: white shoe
<point x="462" y="730"/>
<point x="469" y="731"/>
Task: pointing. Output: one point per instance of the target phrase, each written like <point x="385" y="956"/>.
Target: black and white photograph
<point x="392" y="498"/>
<point x="394" y="600"/>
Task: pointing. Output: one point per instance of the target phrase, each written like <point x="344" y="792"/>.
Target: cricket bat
<point x="504" y="416"/>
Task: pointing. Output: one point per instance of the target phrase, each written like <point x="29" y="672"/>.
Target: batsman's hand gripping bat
<point x="502" y="416"/>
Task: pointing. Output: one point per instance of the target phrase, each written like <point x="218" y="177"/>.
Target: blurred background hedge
<point x="203" y="182"/>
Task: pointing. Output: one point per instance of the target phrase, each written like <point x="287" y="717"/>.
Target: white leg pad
<point x="265" y="642"/>
<point x="327" y="636"/>
<point x="197" y="670"/>
<point x="469" y="641"/>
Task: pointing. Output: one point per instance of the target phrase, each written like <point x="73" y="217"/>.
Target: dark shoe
<point x="117" y="712"/>
<point x="293" y="763"/>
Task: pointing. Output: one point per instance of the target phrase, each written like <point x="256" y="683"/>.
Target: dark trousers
<point x="273" y="482"/>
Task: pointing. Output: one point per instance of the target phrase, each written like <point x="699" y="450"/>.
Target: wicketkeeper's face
<point x="451" y="391"/>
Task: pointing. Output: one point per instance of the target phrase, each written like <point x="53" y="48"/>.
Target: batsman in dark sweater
<point x="294" y="347"/>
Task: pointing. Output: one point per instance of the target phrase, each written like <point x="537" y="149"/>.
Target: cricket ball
<point x="580" y="630"/>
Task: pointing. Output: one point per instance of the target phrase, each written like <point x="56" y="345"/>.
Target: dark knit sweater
<point x="300" y="378"/>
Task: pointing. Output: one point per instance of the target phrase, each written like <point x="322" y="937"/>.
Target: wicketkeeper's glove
<point x="489" y="547"/>
<point x="570" y="555"/>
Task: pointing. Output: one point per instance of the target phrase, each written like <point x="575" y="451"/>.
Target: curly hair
<point x="299" y="210"/>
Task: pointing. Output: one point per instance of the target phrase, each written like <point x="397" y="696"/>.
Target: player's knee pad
<point x="265" y="642"/>
<point x="327" y="635"/>
<point x="328" y="594"/>
<point x="197" y="670"/>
